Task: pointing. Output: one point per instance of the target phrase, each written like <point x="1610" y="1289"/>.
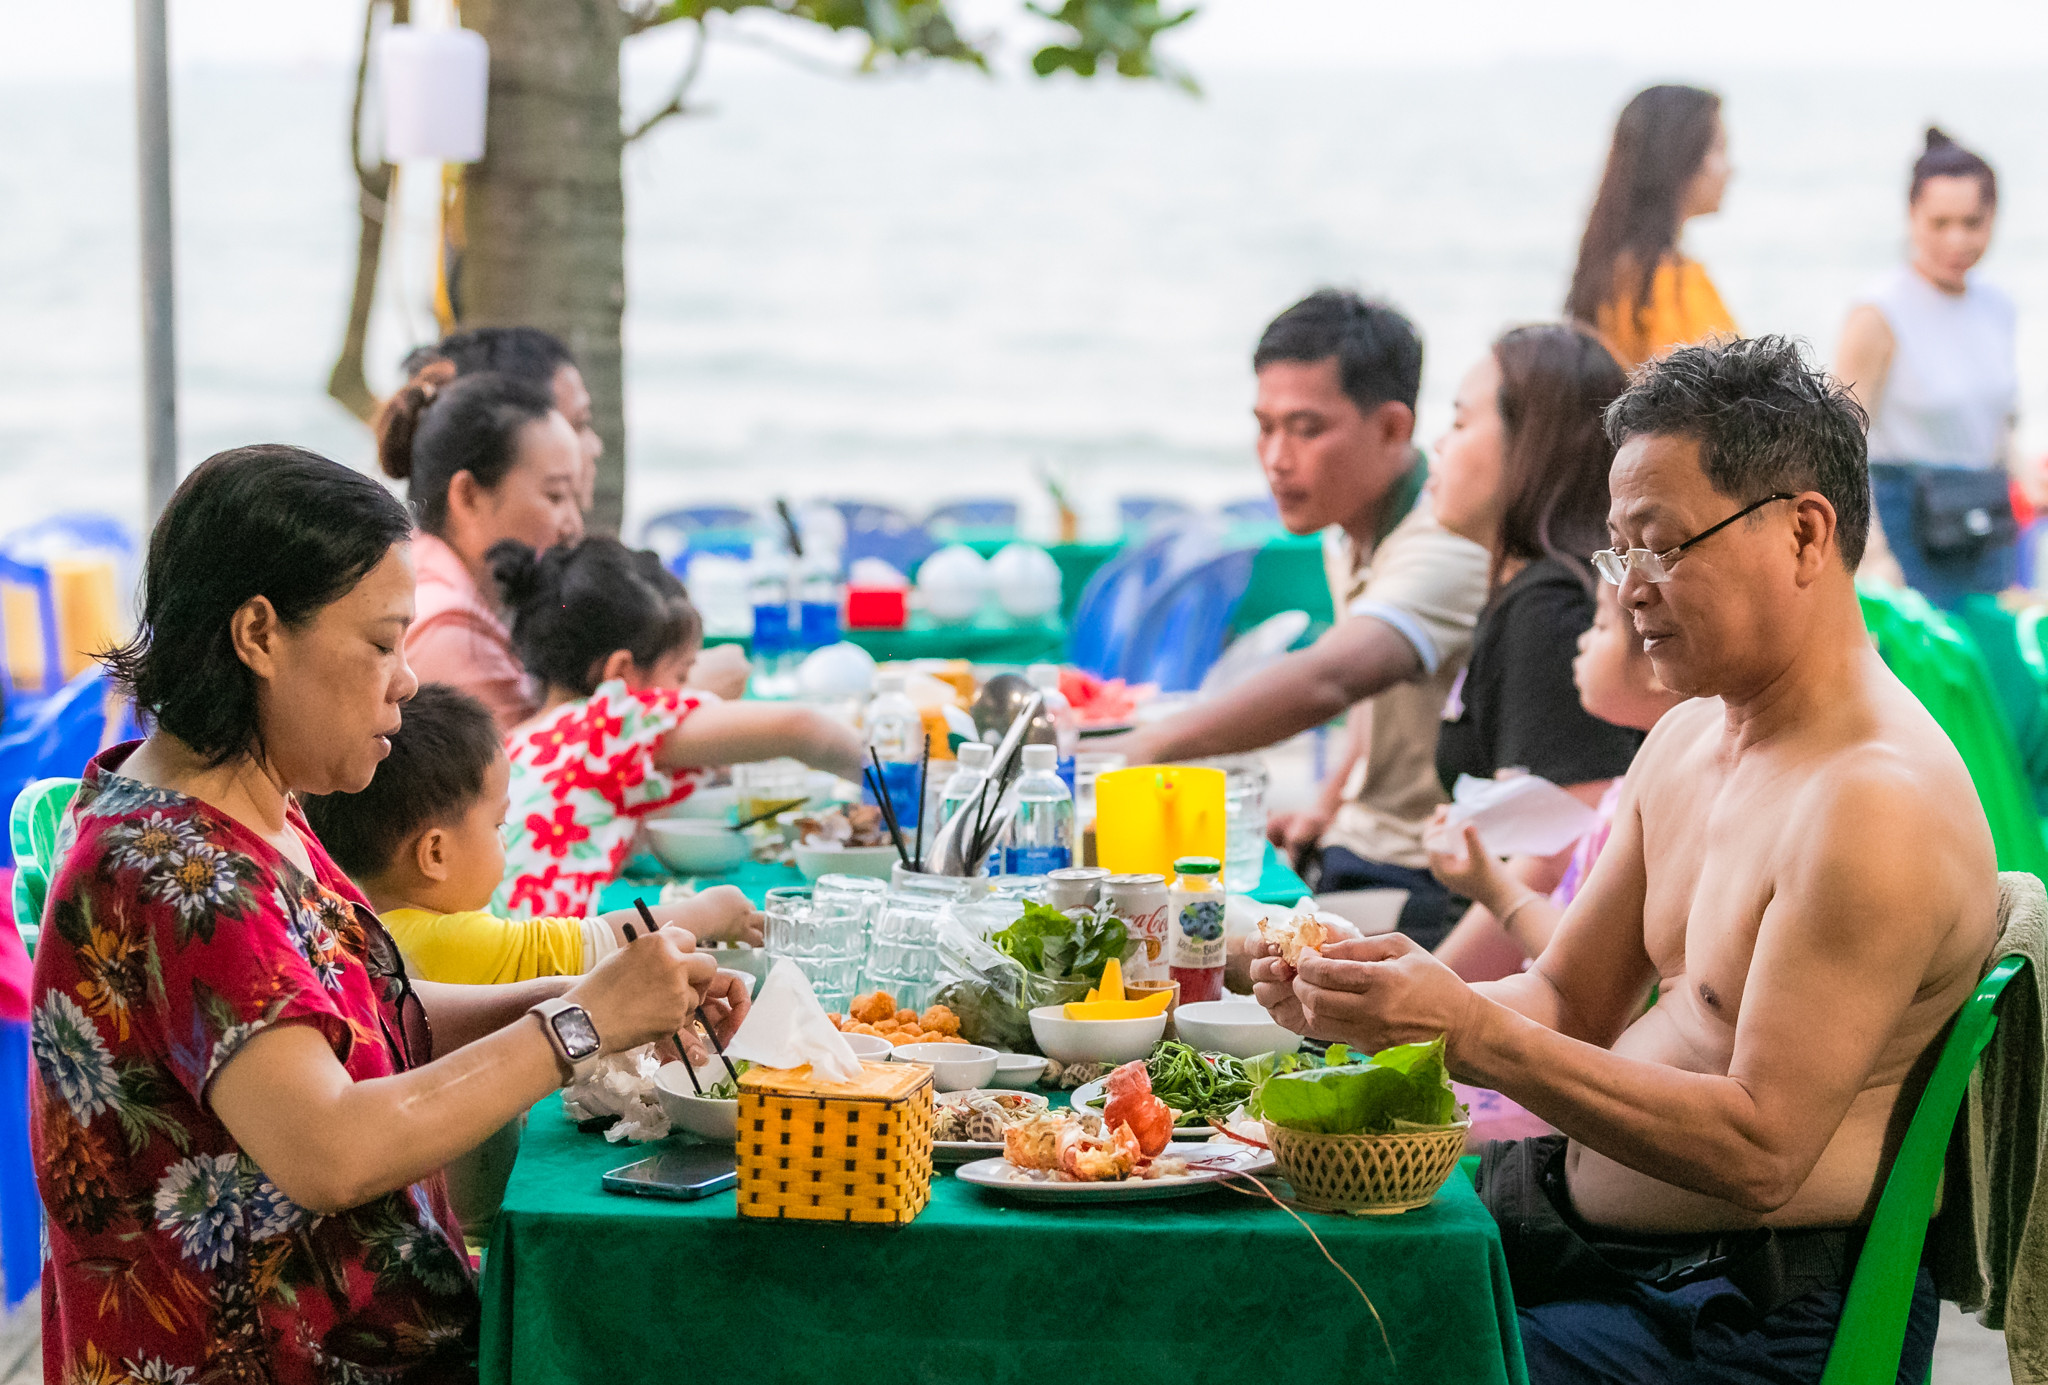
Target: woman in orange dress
<point x="1633" y="285"/>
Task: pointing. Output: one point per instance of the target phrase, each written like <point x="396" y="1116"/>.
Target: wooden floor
<point x="1964" y="1354"/>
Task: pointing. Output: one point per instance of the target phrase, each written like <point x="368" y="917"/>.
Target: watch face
<point x="577" y="1033"/>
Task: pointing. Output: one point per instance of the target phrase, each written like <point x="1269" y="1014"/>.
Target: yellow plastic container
<point x="836" y="1151"/>
<point x="1148" y="816"/>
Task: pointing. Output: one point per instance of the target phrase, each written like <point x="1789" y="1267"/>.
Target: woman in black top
<point x="1523" y="472"/>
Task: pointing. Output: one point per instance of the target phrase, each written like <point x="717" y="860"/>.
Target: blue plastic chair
<point x="1257" y="510"/>
<point x="63" y="733"/>
<point x="1187" y="622"/>
<point x="674" y="533"/>
<point x="1138" y="513"/>
<point x="2029" y="572"/>
<point x="1121" y="590"/>
<point x="72" y="532"/>
<point x="884" y="532"/>
<point x="987" y="518"/>
<point x="35" y="577"/>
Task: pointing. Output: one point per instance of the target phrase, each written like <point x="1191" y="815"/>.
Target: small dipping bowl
<point x="955" y="1067"/>
<point x="695" y="846"/>
<point x="869" y="1047"/>
<point x="700" y="1115"/>
<point x="1018" y="1071"/>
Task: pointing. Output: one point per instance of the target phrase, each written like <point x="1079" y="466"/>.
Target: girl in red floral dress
<point x="612" y="634"/>
<point x="240" y="1103"/>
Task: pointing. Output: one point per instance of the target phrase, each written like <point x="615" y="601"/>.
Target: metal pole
<point x="159" y="345"/>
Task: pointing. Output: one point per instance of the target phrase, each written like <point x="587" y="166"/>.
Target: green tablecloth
<point x="584" y="1285"/>
<point x="1277" y="885"/>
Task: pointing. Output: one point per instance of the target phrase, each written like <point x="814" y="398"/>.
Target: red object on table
<point x="877" y="608"/>
<point x="1198" y="983"/>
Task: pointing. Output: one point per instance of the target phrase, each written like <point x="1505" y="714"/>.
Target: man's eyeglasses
<point x="1615" y="564"/>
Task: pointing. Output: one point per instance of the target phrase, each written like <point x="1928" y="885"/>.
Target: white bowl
<point x="714" y="804"/>
<point x="871" y="1047"/>
<point x="700" y="1115"/>
<point x="1094" y="1041"/>
<point x="955" y="1067"/>
<point x="1018" y="1070"/>
<point x="695" y="846"/>
<point x="1241" y="1028"/>
<point x="748" y="960"/>
<point x="870" y="861"/>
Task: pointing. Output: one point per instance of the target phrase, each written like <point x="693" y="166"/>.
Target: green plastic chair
<point x="1872" y="1332"/>
<point x="34" y="826"/>
<point x="1943" y="667"/>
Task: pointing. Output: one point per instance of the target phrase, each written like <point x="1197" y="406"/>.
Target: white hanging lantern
<point x="434" y="83"/>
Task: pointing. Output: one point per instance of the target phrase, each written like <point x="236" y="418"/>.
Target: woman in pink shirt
<point x="486" y="457"/>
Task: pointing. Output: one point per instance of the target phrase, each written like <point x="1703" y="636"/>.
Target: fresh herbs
<point x="1396" y="1089"/>
<point x="728" y="1088"/>
<point x="1207" y="1086"/>
<point x="1053" y="944"/>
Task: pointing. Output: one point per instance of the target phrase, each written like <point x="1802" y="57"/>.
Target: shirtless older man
<point x="1799" y="864"/>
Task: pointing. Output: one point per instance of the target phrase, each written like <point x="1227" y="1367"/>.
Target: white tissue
<point x="1521" y="816"/>
<point x="622" y="1085"/>
<point x="787" y="1028"/>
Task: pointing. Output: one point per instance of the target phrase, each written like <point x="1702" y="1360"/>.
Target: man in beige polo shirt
<point x="1337" y="381"/>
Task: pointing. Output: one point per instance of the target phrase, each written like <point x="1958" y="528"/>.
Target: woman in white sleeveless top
<point x="1928" y="350"/>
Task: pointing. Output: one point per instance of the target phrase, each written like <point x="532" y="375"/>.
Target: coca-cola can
<point x="1075" y="887"/>
<point x="1140" y="901"/>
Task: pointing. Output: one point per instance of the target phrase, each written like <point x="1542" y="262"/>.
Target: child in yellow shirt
<point x="423" y="842"/>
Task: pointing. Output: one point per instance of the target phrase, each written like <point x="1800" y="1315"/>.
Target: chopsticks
<point x="763" y="817"/>
<point x="647" y="917"/>
<point x="924" y="771"/>
<point x="880" y="785"/>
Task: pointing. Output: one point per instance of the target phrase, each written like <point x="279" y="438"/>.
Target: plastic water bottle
<point x="1066" y="727"/>
<point x="818" y="601"/>
<point x="1042" y="832"/>
<point x="965" y="782"/>
<point x="895" y="732"/>
<point x="768" y="592"/>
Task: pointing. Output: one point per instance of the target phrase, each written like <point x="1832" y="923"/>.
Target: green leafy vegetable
<point x="1396" y="1088"/>
<point x="1050" y="943"/>
<point x="728" y="1088"/>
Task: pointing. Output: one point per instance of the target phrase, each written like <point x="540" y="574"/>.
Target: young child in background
<point x="1513" y="923"/>
<point x="611" y="635"/>
<point x="423" y="843"/>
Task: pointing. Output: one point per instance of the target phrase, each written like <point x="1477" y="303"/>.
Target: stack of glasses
<point x="825" y="931"/>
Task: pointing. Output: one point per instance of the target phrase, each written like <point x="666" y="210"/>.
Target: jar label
<point x="1195" y="939"/>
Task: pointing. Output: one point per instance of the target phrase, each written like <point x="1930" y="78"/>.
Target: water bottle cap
<point x="1045" y="677"/>
<point x="1041" y="759"/>
<point x="976" y="754"/>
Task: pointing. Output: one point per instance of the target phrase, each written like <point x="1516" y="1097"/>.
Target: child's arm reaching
<point x="732" y="733"/>
<point x="1510" y="918"/>
<point x="720" y="914"/>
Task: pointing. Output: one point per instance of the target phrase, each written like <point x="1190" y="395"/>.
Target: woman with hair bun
<point x="1928" y="351"/>
<point x="1633" y="285"/>
<point x="485" y="458"/>
<point x="537" y="357"/>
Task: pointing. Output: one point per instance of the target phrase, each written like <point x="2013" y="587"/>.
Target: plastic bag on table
<point x="993" y="994"/>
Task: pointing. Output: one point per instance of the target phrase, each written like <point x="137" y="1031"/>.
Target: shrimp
<point x="1132" y="1107"/>
<point x="1098" y="1158"/>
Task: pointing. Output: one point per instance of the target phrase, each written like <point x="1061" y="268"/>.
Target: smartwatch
<point x="574" y="1037"/>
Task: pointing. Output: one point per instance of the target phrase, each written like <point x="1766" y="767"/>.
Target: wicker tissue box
<point x="836" y="1151"/>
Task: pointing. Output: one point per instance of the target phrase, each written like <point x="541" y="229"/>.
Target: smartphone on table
<point x="683" y="1173"/>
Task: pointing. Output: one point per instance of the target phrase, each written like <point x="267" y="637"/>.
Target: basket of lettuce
<point x="1378" y="1134"/>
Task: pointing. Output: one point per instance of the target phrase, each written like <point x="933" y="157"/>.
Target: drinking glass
<point x="1244" y="823"/>
<point x="763" y="784"/>
<point x="903" y="948"/>
<point x="824" y="938"/>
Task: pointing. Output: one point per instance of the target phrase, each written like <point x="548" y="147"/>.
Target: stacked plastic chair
<point x="1113" y="604"/>
<point x="1187" y="622"/>
<point x="1943" y="667"/>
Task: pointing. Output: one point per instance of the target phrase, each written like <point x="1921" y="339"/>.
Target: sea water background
<point x="940" y="285"/>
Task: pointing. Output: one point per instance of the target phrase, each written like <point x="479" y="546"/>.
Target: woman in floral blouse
<point x="611" y="634"/>
<point x="240" y="1104"/>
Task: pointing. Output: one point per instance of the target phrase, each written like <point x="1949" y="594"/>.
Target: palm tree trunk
<point x="544" y="212"/>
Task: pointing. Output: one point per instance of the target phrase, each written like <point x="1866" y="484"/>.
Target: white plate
<point x="1088" y="1091"/>
<point x="1226" y="1159"/>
